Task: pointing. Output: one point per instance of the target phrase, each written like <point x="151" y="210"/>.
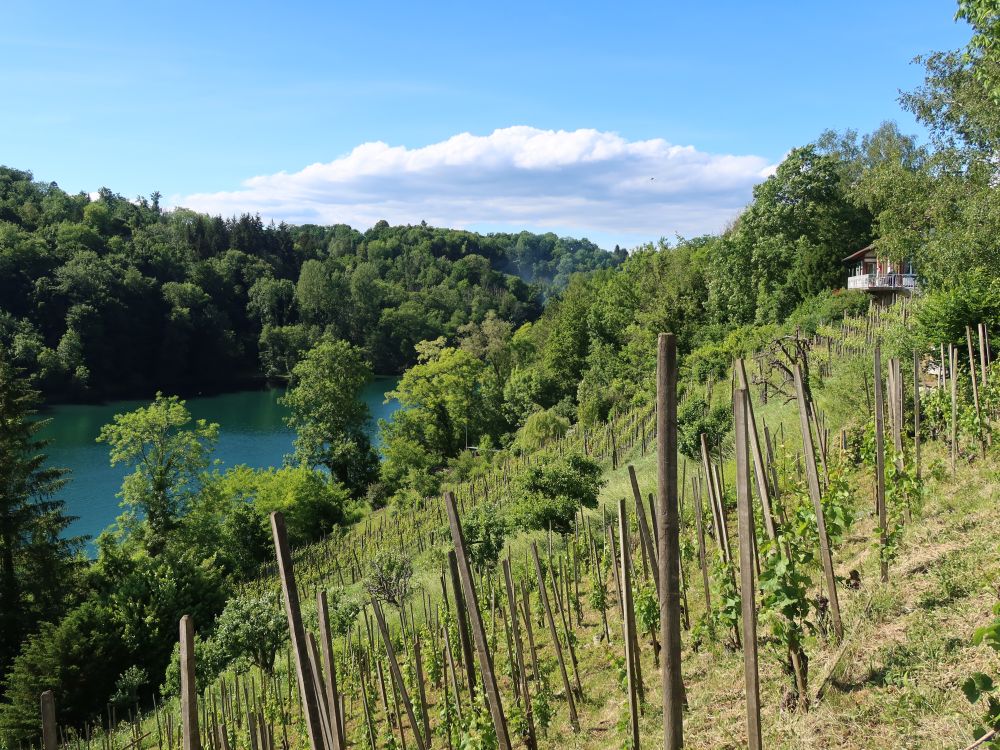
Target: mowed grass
<point x="907" y="650"/>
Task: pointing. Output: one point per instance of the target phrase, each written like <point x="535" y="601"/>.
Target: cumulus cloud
<point x="586" y="182"/>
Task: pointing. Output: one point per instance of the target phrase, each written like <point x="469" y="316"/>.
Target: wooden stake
<point x="953" y="368"/>
<point x="645" y="537"/>
<point x="975" y="390"/>
<point x="669" y="559"/>
<point x="557" y="647"/>
<point x="519" y="654"/>
<point x="478" y="631"/>
<point x="814" y="493"/>
<point x="880" y="465"/>
<point x="421" y="690"/>
<point x="746" y="524"/>
<point x="50" y="735"/>
<point x="397" y="675"/>
<point x="462" y="622"/>
<point x="189" y="688"/>
<point x="916" y="413"/>
<point x="896" y="394"/>
<point x="983" y="354"/>
<point x="332" y="694"/>
<point x="760" y="472"/>
<point x="306" y="688"/>
<point x="702" y="561"/>
<point x="314" y="670"/>
<point x="631" y="638"/>
<point x="526" y="606"/>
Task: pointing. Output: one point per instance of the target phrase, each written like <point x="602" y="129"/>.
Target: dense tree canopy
<point x="111" y="296"/>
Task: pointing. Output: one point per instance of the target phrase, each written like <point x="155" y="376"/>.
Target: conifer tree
<point x="36" y="559"/>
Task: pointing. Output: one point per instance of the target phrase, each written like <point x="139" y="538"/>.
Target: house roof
<point x="860" y="253"/>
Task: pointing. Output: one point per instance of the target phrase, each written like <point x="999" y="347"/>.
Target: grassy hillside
<point x="895" y="681"/>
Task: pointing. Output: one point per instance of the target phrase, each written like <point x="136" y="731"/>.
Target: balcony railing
<point x="883" y="281"/>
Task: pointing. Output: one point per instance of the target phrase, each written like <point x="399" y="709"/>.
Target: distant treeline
<point x="111" y="296"/>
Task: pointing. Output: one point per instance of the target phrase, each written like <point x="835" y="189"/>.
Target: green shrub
<point x="695" y="417"/>
<point x="251" y="629"/>
<point x="485" y="531"/>
<point x="550" y="494"/>
<point x="969" y="299"/>
<point x="541" y="429"/>
<point x="312" y="502"/>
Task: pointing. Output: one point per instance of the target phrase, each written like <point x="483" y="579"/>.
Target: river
<point x="251" y="432"/>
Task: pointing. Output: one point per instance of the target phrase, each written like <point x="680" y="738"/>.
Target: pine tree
<point x="36" y="560"/>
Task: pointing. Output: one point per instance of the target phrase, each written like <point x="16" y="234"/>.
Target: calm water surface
<point x="251" y="432"/>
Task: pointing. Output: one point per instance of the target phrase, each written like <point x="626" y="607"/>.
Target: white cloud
<point x="583" y="182"/>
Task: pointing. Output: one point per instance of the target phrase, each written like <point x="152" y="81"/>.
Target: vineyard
<point x="821" y="575"/>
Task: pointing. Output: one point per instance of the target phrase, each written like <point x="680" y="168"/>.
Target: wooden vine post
<point x="812" y="476"/>
<point x="916" y="413"/>
<point x="332" y="693"/>
<point x="478" y="631"/>
<point x="702" y="562"/>
<point x="953" y="369"/>
<point x="895" y="393"/>
<point x="556" y="646"/>
<point x="645" y="537"/>
<point x="880" y="467"/>
<point x="975" y="391"/>
<point x="314" y="669"/>
<point x="462" y="622"/>
<point x="760" y="471"/>
<point x="421" y="689"/>
<point x="522" y="673"/>
<point x="631" y="638"/>
<point x="189" y="690"/>
<point x="714" y="503"/>
<point x="307" y="688"/>
<point x="984" y="356"/>
<point x="50" y="736"/>
<point x="746" y="525"/>
<point x="397" y="675"/>
<point x="669" y="541"/>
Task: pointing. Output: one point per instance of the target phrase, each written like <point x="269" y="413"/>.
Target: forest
<point x="528" y="371"/>
<point x="113" y="296"/>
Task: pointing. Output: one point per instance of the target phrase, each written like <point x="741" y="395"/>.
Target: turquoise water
<point x="251" y="432"/>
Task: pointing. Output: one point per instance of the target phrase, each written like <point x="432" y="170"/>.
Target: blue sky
<point x="569" y="106"/>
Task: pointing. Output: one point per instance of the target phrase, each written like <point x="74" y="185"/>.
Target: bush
<point x="251" y="629"/>
<point x="377" y="495"/>
<point x="968" y="300"/>
<point x="127" y="687"/>
<point x="710" y="361"/>
<point x="388" y="579"/>
<point x="827" y="307"/>
<point x="409" y="465"/>
<point x="695" y="417"/>
<point x="343" y="610"/>
<point x="208" y="665"/>
<point x="540" y="429"/>
<point x="312" y="502"/>
<point x="550" y="495"/>
<point x="485" y="531"/>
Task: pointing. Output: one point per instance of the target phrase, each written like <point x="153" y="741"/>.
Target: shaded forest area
<point x="111" y="296"/>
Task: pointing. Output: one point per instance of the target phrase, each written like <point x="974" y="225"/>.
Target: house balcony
<point x="875" y="282"/>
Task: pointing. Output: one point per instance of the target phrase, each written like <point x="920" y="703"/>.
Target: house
<point x="885" y="280"/>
